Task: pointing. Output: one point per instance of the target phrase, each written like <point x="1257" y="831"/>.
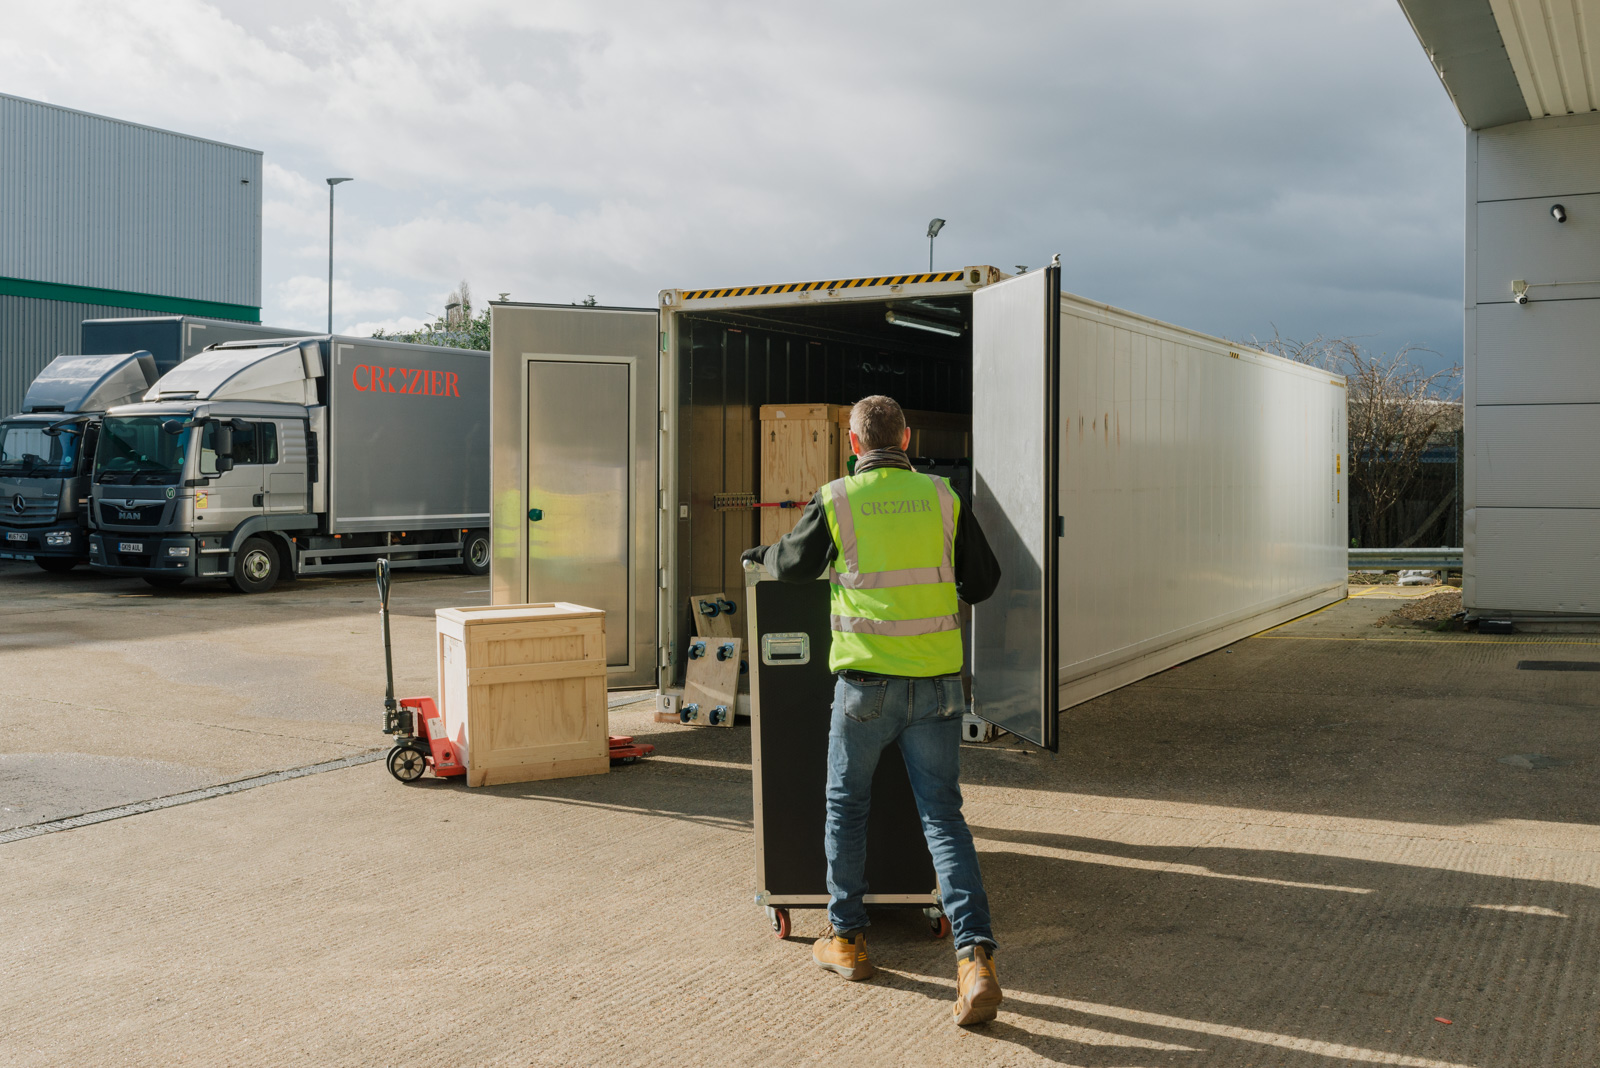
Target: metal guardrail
<point x="1441" y="559"/>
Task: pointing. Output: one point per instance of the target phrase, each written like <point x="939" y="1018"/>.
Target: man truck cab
<point x="47" y="453"/>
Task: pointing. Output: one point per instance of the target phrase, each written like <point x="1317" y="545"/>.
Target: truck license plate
<point x="130" y="546"/>
<point x="16" y="535"/>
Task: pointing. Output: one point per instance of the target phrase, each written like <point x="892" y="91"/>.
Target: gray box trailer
<point x="1153" y="493"/>
<point x="171" y="339"/>
<point x="260" y="460"/>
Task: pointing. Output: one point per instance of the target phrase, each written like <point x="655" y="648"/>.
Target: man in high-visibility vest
<point x="899" y="547"/>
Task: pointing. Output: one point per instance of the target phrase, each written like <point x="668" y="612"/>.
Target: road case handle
<point x="786" y="650"/>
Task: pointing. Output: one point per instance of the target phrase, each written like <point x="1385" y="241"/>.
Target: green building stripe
<point x="118" y="298"/>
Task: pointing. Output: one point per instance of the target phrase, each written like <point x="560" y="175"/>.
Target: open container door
<point x="574" y="469"/>
<point x="1016" y="400"/>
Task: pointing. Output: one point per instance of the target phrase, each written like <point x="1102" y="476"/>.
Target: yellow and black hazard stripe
<point x="837" y="283"/>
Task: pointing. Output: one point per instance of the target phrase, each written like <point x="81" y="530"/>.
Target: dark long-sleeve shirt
<point x="803" y="554"/>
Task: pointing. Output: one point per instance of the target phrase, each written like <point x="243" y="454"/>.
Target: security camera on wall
<point x="1519" y="291"/>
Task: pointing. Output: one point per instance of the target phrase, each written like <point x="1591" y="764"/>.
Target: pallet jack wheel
<point x="406" y="763"/>
<point x="780" y="921"/>
<point x="938" y="923"/>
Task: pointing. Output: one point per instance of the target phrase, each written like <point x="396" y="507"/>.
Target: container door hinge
<point x="661" y="580"/>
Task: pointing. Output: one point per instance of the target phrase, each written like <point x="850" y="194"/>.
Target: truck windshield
<point x="25" y="449"/>
<point x="134" y="450"/>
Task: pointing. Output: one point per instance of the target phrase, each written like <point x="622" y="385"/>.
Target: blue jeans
<point x="924" y="716"/>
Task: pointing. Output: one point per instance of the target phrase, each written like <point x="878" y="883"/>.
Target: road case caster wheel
<point x="779" y="919"/>
<point x="938" y="923"/>
<point x="406" y="763"/>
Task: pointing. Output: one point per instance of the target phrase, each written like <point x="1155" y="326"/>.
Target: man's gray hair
<point x="878" y="423"/>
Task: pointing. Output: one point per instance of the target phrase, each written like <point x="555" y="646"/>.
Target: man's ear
<point x="905" y="440"/>
<point x="855" y="443"/>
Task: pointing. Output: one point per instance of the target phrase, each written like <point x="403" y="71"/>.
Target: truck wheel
<point x="256" y="569"/>
<point x="475" y="553"/>
<point x="55" y="564"/>
<point x="165" y="582"/>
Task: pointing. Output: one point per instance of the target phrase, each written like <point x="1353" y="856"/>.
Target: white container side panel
<point x="1538" y="456"/>
<point x="1544" y="158"/>
<point x="1519" y="240"/>
<point x="1533" y="561"/>
<point x="1200" y="489"/>
<point x="91" y="201"/>
<point x="1543" y="352"/>
<point x="32" y="333"/>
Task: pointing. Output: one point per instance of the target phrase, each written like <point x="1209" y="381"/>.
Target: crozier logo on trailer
<point x="370" y="378"/>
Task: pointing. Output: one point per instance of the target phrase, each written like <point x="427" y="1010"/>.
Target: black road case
<point x="791" y="701"/>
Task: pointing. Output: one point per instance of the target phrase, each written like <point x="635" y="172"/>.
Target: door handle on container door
<point x="535" y="514"/>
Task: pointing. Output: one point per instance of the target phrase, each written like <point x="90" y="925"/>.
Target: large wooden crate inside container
<point x="523" y="689"/>
<point x="799" y="455"/>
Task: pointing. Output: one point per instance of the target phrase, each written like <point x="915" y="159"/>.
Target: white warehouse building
<point x="101" y="218"/>
<point x="1526" y="79"/>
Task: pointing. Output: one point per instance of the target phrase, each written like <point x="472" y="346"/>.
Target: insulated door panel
<point x="580" y="489"/>
<point x="1014" y="449"/>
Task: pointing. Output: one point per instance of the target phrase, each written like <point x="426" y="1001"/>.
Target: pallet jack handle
<point x="388" y="656"/>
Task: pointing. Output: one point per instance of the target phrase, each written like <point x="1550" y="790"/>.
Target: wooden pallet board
<point x="722" y="624"/>
<point x="711" y="683"/>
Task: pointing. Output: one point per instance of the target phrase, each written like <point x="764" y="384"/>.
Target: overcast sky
<point x="1229" y="165"/>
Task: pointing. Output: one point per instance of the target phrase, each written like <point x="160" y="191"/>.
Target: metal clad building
<point x="1527" y="85"/>
<point x="101" y="218"/>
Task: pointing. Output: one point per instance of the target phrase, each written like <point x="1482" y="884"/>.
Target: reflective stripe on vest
<point x="899" y="628"/>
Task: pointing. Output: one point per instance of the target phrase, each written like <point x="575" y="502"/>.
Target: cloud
<point x="1226" y="166"/>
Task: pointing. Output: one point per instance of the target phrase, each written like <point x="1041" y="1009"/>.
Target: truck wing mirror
<point x="172" y="426"/>
<point x="222" y="442"/>
<point x="224" y="463"/>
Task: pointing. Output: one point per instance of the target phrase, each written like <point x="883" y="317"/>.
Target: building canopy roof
<point x="1512" y="60"/>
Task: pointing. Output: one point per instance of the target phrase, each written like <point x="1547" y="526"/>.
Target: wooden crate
<point x="523" y="690"/>
<point x="799" y="455"/>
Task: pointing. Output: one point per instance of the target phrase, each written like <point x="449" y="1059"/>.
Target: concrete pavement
<point x="1299" y="851"/>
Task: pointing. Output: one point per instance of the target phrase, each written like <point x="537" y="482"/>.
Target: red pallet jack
<point x="420" y="740"/>
<point x="416" y="750"/>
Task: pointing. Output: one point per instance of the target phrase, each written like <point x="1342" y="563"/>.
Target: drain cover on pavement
<point x="1558" y="665"/>
<point x="1531" y="761"/>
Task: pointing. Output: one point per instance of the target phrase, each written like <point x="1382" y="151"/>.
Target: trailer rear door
<point x="1016" y="401"/>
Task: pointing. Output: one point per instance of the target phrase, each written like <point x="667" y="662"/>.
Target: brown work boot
<point x="977" y="986"/>
<point x="845" y="954"/>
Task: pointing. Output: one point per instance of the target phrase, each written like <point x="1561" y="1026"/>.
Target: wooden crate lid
<point x="802" y="411"/>
<point x="516" y="613"/>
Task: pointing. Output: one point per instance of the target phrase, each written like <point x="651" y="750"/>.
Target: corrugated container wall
<point x="91" y="201"/>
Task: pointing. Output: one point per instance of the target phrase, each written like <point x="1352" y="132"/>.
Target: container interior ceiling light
<point x="902" y="319"/>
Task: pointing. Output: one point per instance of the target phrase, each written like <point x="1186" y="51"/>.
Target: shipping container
<point x="1152" y="493"/>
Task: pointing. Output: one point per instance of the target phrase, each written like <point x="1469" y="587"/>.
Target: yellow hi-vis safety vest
<point x="893" y="581"/>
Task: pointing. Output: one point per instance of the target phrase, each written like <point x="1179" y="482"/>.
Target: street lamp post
<point x="331" y="183"/>
<point x="934" y="226"/>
